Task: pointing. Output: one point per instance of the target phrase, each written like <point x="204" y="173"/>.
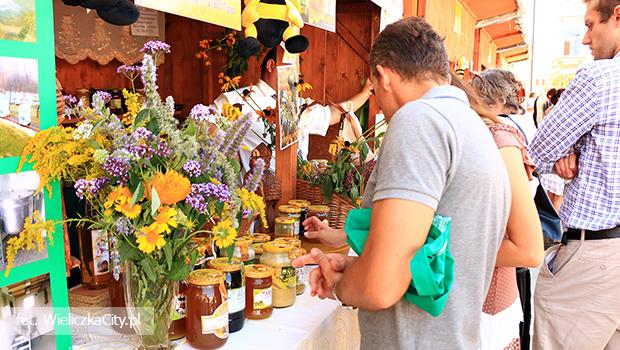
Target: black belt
<point x="575" y="234"/>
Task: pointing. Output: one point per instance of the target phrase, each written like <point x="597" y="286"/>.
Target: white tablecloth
<point x="309" y="324"/>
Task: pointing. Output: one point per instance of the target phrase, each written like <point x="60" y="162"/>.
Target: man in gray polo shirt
<point x="437" y="157"/>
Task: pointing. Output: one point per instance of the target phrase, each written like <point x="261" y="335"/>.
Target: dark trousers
<point x="524" y="284"/>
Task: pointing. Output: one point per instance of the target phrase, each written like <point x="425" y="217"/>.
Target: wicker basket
<point x="338" y="207"/>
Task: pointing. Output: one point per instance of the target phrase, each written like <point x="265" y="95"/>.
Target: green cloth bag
<point x="432" y="268"/>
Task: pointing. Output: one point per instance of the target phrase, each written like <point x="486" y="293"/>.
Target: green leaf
<point x="153" y="127"/>
<point x="126" y="250"/>
<point x="327" y="187"/>
<point x="354" y="193"/>
<point x="148" y="269"/>
<point x="142" y="117"/>
<point x="92" y="143"/>
<point x="133" y="179"/>
<point x="168" y="254"/>
<point x="137" y="194"/>
<point x="155" y="202"/>
<point x="191" y="129"/>
<point x="179" y="270"/>
<point x="235" y="165"/>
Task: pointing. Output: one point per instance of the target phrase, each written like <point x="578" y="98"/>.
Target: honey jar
<point x="322" y="213"/>
<point x="258" y="291"/>
<point x="295" y="253"/>
<point x="207" y="309"/>
<point x="235" y="286"/>
<point x="295" y="242"/>
<point x="261" y="238"/>
<point x="303" y="205"/>
<point x="292" y="212"/>
<point x="276" y="255"/>
<point x="285" y="227"/>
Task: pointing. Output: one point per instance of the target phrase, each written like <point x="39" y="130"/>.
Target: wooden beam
<point x="507" y="36"/>
<point x="345" y="34"/>
<point x="498" y="19"/>
<point x="286" y="167"/>
<point x="476" y="66"/>
<point x="422" y="8"/>
<point x="511" y="47"/>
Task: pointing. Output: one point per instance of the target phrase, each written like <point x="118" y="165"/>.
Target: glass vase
<point x="150" y="305"/>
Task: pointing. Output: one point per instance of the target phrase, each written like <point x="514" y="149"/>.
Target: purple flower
<point x="218" y="174"/>
<point x="202" y="193"/>
<point x="141" y="151"/>
<point x="155" y="46"/>
<point x="90" y="187"/>
<point x="118" y="167"/>
<point x="70" y="99"/>
<point x="129" y="71"/>
<point x="193" y="168"/>
<point x="106" y="97"/>
<point x="368" y="168"/>
<point x="163" y="150"/>
<point x="202" y="113"/>
<point x="142" y="133"/>
<point x="256" y="176"/>
<point x="348" y="180"/>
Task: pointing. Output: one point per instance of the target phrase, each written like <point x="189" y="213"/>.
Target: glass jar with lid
<point x="258" y="291"/>
<point x="235" y="286"/>
<point x="258" y="250"/>
<point x="285" y="227"/>
<point x="243" y="250"/>
<point x="303" y="205"/>
<point x="292" y="212"/>
<point x="276" y="255"/>
<point x="261" y="238"/>
<point x="207" y="309"/>
<point x="322" y="213"/>
<point x="289" y="240"/>
<point x="295" y="253"/>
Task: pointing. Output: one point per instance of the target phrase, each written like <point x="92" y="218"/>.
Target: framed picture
<point x="17" y="20"/>
<point x="19" y="104"/>
<point x="287" y="105"/>
<point x="27" y="105"/>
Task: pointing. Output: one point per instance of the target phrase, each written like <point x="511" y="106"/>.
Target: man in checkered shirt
<point x="577" y="297"/>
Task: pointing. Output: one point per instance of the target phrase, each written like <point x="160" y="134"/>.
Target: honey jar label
<point x="284" y="278"/>
<point x="236" y="299"/>
<point x="101" y="252"/>
<point x="179" y="306"/>
<point x="217" y="323"/>
<point x="262" y="298"/>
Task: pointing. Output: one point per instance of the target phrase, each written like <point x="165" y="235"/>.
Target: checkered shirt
<point x="586" y="120"/>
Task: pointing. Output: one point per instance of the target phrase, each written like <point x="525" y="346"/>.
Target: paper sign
<point x="226" y="13"/>
<point x="147" y="24"/>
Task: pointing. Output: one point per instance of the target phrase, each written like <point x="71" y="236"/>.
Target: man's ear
<point x="616" y="14"/>
<point x="271" y="65"/>
<point x="384" y="77"/>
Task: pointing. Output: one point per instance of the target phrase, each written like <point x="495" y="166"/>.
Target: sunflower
<point x="224" y="234"/>
<point x="165" y="219"/>
<point x="118" y="196"/>
<point x="130" y="211"/>
<point x="230" y="112"/>
<point x="148" y="239"/>
<point x="302" y="86"/>
<point x="230" y="83"/>
<point x="171" y="187"/>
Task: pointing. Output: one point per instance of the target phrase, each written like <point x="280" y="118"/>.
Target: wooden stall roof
<point x="501" y="20"/>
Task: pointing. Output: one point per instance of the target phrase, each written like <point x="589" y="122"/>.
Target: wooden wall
<point x="488" y="50"/>
<point x="182" y="75"/>
<point x="440" y="14"/>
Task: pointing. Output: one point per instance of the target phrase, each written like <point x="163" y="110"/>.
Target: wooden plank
<point x="476" y="66"/>
<point x="422" y="8"/>
<point x="362" y="51"/>
<point x="286" y="168"/>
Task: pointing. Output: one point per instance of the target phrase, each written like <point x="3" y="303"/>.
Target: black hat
<point x="72" y="2"/>
<point x="123" y="13"/>
<point x="99" y="4"/>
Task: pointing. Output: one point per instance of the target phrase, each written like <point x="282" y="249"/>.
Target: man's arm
<point x="351" y="105"/>
<point x="573" y="116"/>
<point x="381" y="276"/>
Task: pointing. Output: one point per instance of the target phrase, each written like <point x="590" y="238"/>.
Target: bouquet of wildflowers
<point x="154" y="184"/>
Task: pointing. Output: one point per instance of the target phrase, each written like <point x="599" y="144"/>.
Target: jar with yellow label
<point x="292" y="212"/>
<point x="322" y="213"/>
<point x="207" y="309"/>
<point x="258" y="250"/>
<point x="303" y="205"/>
<point x="261" y="238"/>
<point x="295" y="242"/>
<point x="235" y="286"/>
<point x="285" y="227"/>
<point x="295" y="253"/>
<point x="276" y="255"/>
<point x="258" y="291"/>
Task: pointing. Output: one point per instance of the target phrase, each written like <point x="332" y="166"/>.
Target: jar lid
<point x="297" y="252"/>
<point x="261" y="237"/>
<point x="295" y="242"/>
<point x="205" y="277"/>
<point x="319" y="208"/>
<point x="277" y="247"/>
<point x="301" y="203"/>
<point x="222" y="264"/>
<point x="258" y="271"/>
<point x="258" y="248"/>
<point x="289" y="209"/>
<point x="285" y="220"/>
<point x="243" y="240"/>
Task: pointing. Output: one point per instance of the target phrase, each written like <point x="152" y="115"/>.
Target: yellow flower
<point x="301" y="87"/>
<point x="333" y="149"/>
<point x="148" y="239"/>
<point x="171" y="187"/>
<point x="230" y="83"/>
<point x="31" y="234"/>
<point x="252" y="202"/>
<point x="130" y="211"/>
<point x="132" y="101"/>
<point x="119" y="196"/>
<point x="224" y="234"/>
<point x="108" y="212"/>
<point x="165" y="219"/>
<point x="230" y="112"/>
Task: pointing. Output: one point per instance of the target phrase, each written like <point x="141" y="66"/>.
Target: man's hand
<point x="330" y="271"/>
<point x="567" y="167"/>
<point x="316" y="229"/>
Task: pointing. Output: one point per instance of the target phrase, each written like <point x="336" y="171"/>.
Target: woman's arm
<point x="524" y="245"/>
